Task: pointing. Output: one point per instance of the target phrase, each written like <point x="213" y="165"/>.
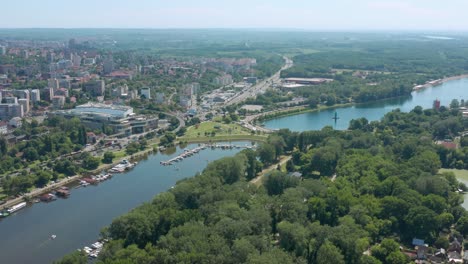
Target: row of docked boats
<point x="95" y="179"/>
<point x="230" y="146"/>
<point x="94" y="249"/>
<point x="190" y="152"/>
<point x="48" y="197"/>
<point x="124" y="165"/>
<point x="187" y="153"/>
<point x="62" y="192"/>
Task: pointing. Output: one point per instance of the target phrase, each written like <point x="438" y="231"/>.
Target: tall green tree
<point x="329" y="253"/>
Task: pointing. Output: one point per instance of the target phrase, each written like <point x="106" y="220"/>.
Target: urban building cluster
<point x="57" y="78"/>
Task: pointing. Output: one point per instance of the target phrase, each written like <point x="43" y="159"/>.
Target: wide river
<point x="77" y="221"/>
<point x="446" y="92"/>
<point x="456" y="89"/>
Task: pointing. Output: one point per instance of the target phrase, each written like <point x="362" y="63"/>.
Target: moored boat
<point x="17" y="207"/>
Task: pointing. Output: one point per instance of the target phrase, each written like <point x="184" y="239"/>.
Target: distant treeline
<point x="368" y="71"/>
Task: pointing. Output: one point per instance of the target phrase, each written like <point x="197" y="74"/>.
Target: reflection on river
<point x="456" y="89"/>
<point x="78" y="220"/>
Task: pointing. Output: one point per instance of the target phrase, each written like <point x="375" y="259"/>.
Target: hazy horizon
<point x="335" y="15"/>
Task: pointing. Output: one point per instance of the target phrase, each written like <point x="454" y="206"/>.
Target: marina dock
<point x="190" y="152"/>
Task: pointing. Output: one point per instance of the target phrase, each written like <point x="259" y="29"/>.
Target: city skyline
<point x="299" y="14"/>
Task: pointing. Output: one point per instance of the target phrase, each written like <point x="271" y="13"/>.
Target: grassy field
<point x="203" y="139"/>
<point x="460" y="174"/>
<point x="220" y="129"/>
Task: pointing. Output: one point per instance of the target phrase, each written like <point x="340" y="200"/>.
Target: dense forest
<point x="371" y="70"/>
<point x="369" y="190"/>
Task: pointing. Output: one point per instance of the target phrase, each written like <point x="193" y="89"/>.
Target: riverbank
<point x="69" y="180"/>
<point x="462" y="176"/>
<point x="134" y="157"/>
<point x="203" y="139"/>
<point x="439" y="82"/>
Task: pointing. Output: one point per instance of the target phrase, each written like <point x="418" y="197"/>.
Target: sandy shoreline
<point x="439" y="82"/>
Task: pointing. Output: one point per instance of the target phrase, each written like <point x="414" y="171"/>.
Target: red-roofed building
<point x="449" y="145"/>
<point x="121" y="75"/>
<point x="91" y="137"/>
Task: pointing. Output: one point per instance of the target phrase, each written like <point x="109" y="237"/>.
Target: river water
<point x="456" y="89"/>
<point x="446" y="92"/>
<point x="77" y="220"/>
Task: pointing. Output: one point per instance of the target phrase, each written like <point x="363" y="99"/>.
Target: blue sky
<point x="299" y="14"/>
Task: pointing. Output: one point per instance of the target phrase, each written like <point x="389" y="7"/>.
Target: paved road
<point x="181" y="121"/>
<point x="248" y="119"/>
<point x="262" y="86"/>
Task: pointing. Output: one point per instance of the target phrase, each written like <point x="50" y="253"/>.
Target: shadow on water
<point x="393" y="102"/>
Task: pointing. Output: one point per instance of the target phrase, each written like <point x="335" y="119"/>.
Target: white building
<point x="119" y="119"/>
<point x="25" y="104"/>
<point x="120" y="91"/>
<point x="2" y="50"/>
<point x="223" y="80"/>
<point x="132" y="94"/>
<point x="35" y="95"/>
<point x="58" y="101"/>
<point x="16" y="122"/>
<point x="146" y="92"/>
<point x="53" y="83"/>
<point x="3" y="128"/>
<point x="76" y="61"/>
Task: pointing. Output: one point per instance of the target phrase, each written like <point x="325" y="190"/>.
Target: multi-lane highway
<point x="260" y="87"/>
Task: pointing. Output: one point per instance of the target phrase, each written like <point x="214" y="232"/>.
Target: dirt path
<point x="258" y="180"/>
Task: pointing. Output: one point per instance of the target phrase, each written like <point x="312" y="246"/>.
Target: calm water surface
<point x="456" y="89"/>
<point x="78" y="220"/>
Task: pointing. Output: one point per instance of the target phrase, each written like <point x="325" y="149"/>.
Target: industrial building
<point x="120" y="120"/>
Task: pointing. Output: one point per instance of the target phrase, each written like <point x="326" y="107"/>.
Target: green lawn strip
<point x="460" y="174"/>
<point x="222" y="138"/>
<point x="220" y="129"/>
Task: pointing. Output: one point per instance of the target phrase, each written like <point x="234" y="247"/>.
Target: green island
<point x="357" y="196"/>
